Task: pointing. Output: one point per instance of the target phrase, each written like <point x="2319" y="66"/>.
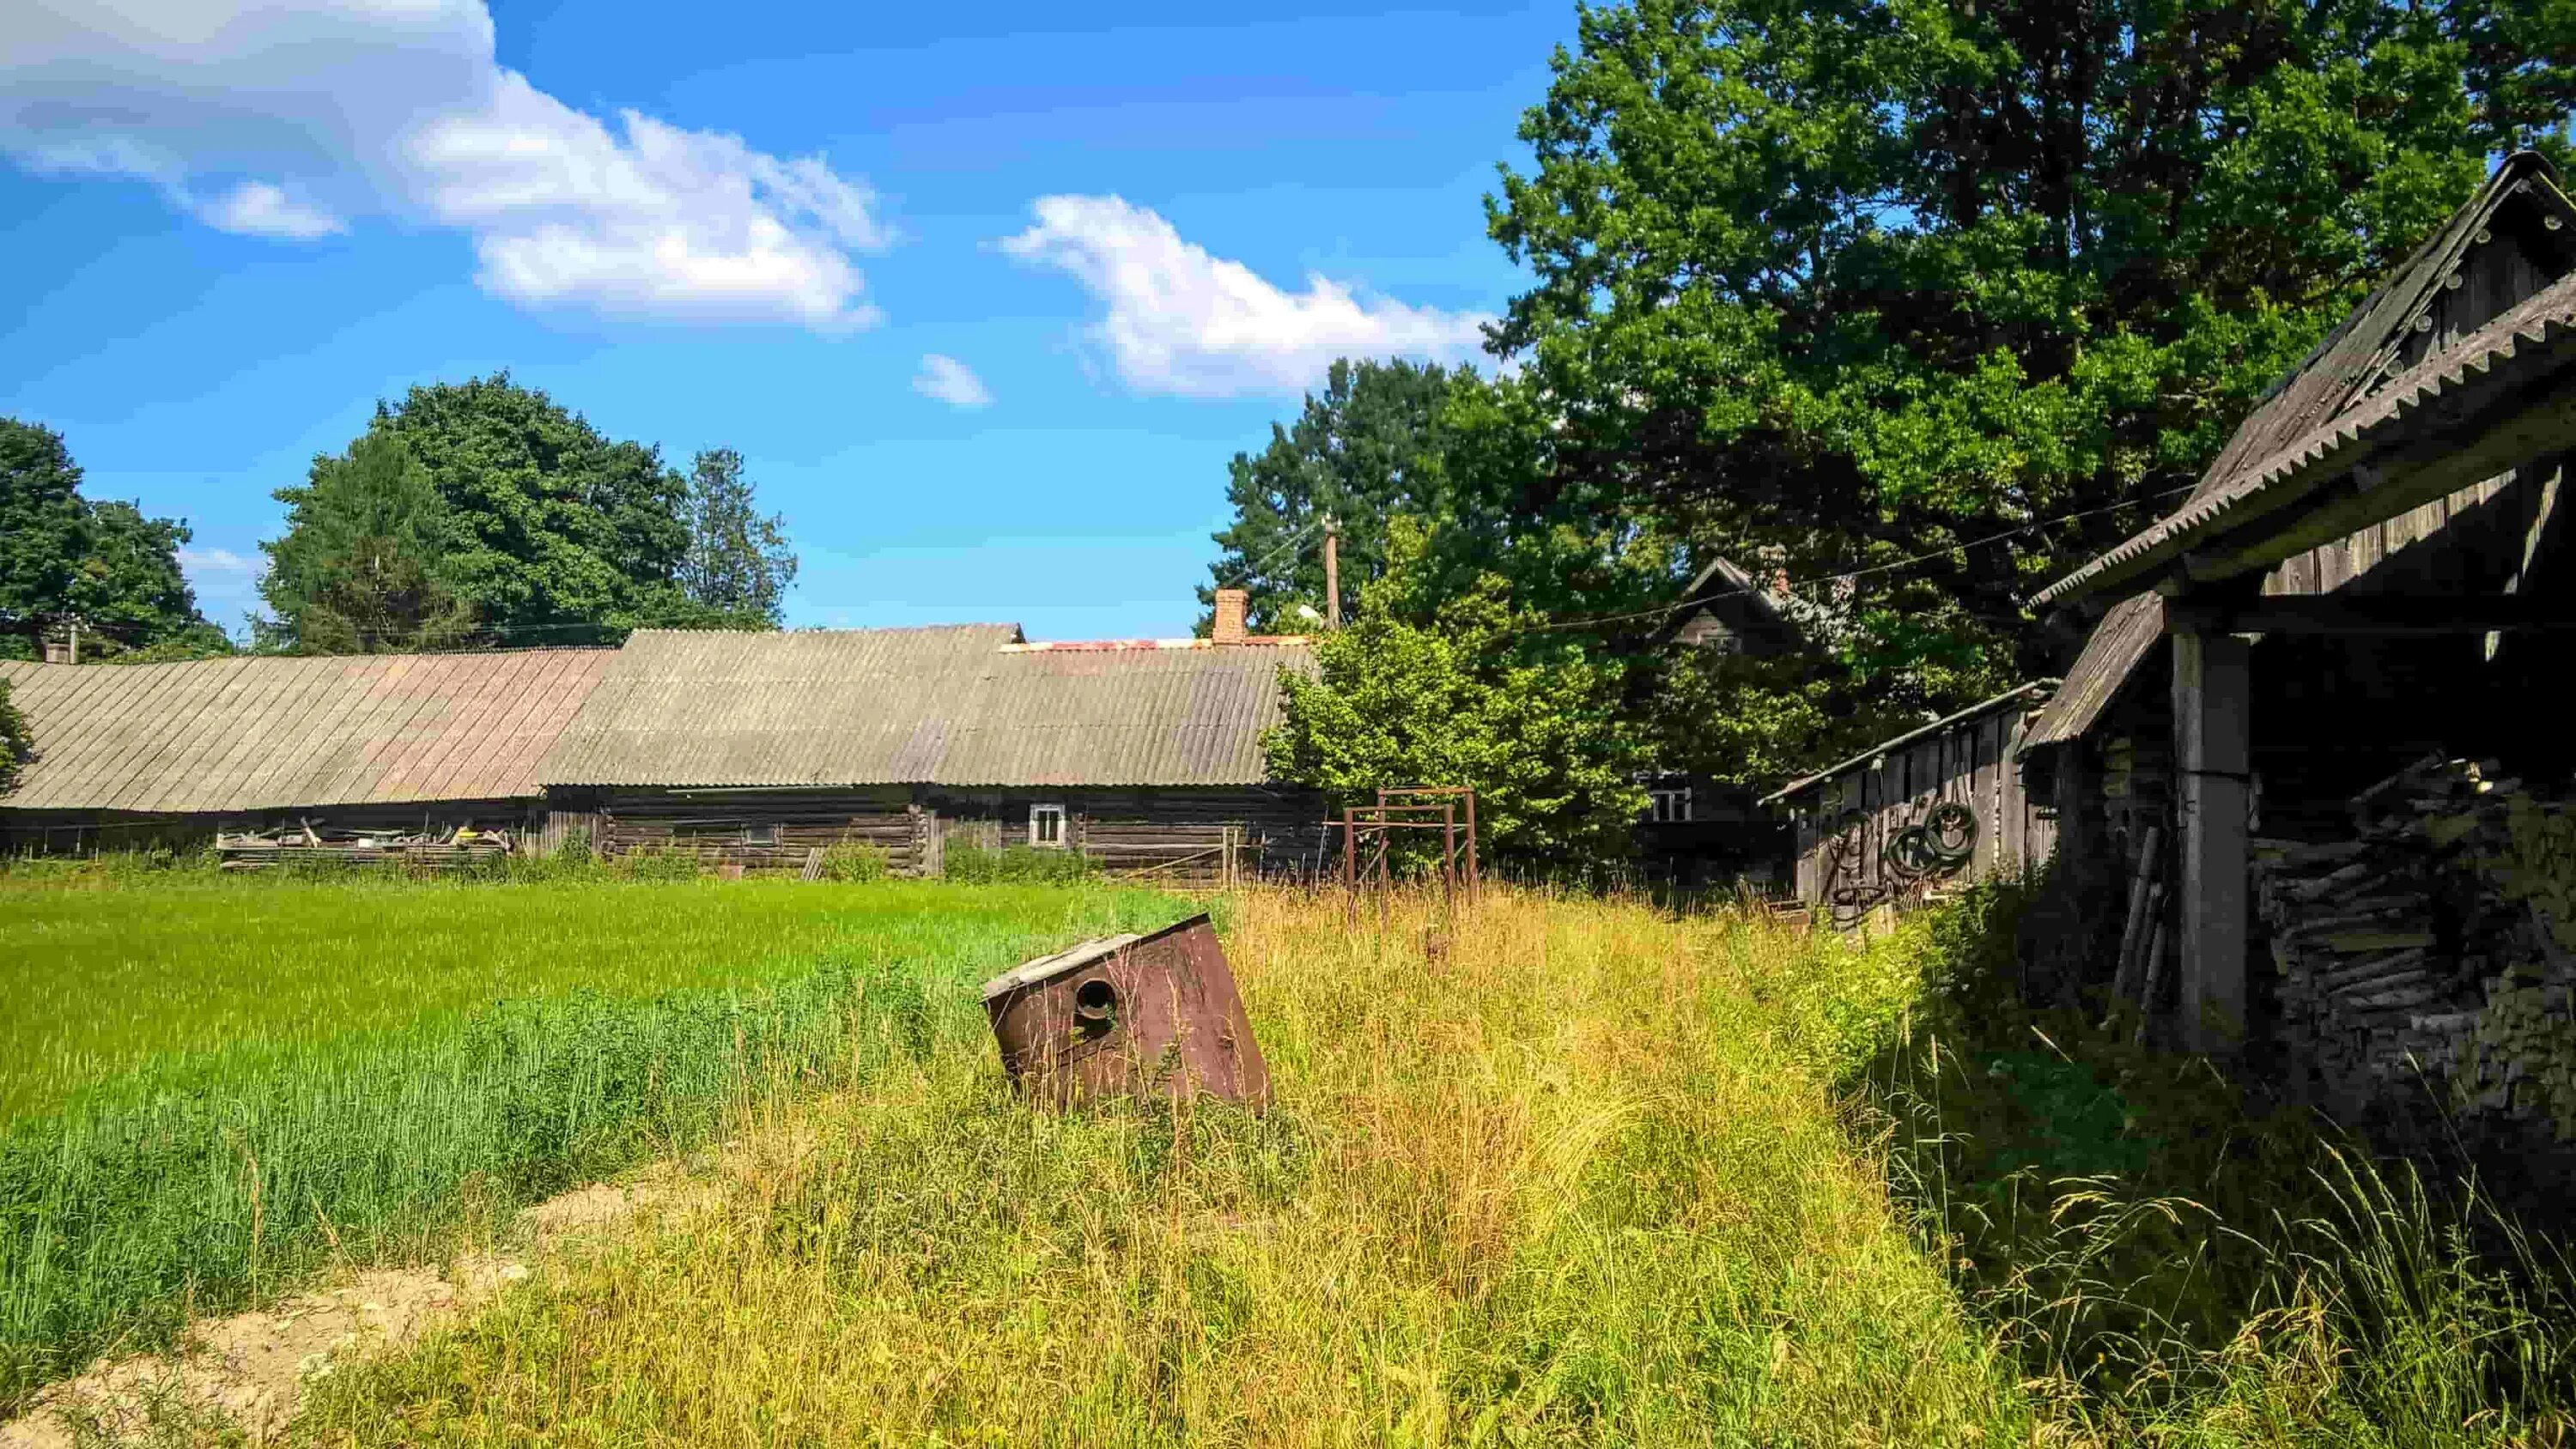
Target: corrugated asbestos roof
<point x="939" y="706"/>
<point x="266" y="733"/>
<point x="2325" y="406"/>
<point x="2543" y="321"/>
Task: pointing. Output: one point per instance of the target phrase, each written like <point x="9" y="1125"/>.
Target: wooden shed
<point x="1943" y="804"/>
<point x="2357" y="624"/>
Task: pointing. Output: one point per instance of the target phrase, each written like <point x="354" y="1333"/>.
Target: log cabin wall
<point x="751" y="829"/>
<point x="1186" y="836"/>
<point x="82" y="832"/>
<point x="1190" y="837"/>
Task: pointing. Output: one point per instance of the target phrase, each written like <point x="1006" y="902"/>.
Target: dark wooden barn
<point x="1941" y="805"/>
<point x="1699" y="831"/>
<point x="2312" y="735"/>
<point x="757" y="749"/>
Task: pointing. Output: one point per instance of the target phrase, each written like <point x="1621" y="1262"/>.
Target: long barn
<point x="747" y="750"/>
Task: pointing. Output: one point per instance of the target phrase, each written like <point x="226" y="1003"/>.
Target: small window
<point x="1669" y="805"/>
<point x="1046" y="825"/>
<point x="760" y="835"/>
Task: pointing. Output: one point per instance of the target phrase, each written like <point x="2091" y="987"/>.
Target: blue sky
<point x="986" y="295"/>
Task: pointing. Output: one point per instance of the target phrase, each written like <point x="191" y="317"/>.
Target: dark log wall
<point x="1845" y="868"/>
<point x="1185" y="836"/>
<point x="757" y="830"/>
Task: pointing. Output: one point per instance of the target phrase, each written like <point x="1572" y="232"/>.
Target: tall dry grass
<point x="1544" y="1170"/>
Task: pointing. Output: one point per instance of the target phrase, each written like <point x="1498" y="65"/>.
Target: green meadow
<point x="211" y="1085"/>
<point x="1541" y="1169"/>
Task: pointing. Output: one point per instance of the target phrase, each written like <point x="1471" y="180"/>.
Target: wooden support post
<point x="1474" y="885"/>
<point x="2212" y="685"/>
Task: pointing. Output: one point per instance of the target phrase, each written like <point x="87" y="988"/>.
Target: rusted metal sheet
<point x="1124" y="1014"/>
<point x="218" y="735"/>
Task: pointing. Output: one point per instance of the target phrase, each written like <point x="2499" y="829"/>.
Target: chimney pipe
<point x="1229" y="615"/>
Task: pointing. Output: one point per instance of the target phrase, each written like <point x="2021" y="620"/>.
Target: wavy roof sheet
<point x="958" y="705"/>
<point x="2353" y="389"/>
<point x="215" y="735"/>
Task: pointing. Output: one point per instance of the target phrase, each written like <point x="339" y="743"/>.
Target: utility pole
<point x="1332" y="573"/>
<point x="76" y="638"/>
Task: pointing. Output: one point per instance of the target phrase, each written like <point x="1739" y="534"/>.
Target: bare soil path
<point x="243" y="1375"/>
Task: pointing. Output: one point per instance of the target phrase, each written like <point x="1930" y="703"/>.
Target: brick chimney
<point x="1229" y="615"/>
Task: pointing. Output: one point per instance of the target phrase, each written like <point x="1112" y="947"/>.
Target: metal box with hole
<point x="1125" y="1014"/>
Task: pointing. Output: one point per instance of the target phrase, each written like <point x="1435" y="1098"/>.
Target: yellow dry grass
<point x="1544" y="1170"/>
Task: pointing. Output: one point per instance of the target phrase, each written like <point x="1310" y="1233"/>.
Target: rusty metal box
<point x="1124" y="1013"/>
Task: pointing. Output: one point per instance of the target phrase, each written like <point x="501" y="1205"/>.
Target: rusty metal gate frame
<point x="1368" y="831"/>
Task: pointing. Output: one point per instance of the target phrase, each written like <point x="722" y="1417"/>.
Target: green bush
<point x="2175" y="1253"/>
<point x="660" y="863"/>
<point x="1013" y="865"/>
<point x="852" y="861"/>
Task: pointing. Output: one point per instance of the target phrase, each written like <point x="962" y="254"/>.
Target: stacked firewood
<point x="2431" y="945"/>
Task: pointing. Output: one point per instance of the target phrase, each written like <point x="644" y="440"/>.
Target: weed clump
<point x="1012" y="865"/>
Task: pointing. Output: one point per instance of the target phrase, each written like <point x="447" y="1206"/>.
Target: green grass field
<point x="105" y="983"/>
<point x="211" y="1085"/>
<point x="1543" y="1170"/>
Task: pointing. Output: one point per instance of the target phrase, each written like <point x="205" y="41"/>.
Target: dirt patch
<point x="243" y="1374"/>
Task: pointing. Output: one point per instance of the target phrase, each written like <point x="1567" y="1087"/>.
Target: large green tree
<point x="1367" y="447"/>
<point x="361" y="568"/>
<point x="13" y="740"/>
<point x="105" y="563"/>
<point x="1850" y="287"/>
<point x="548" y="532"/>
<point x="738" y="565"/>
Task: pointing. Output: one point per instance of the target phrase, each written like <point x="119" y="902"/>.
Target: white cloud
<point x="1179" y="320"/>
<point x="298" y="116"/>
<point x="217" y="562"/>
<point x="951" y="381"/>
<point x="255" y="208"/>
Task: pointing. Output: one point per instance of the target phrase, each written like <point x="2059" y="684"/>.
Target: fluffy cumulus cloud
<point x="1176" y="319"/>
<point x="289" y="118"/>
<point x="951" y="381"/>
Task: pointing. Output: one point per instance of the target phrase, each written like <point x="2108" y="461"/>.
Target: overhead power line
<point x="1829" y="580"/>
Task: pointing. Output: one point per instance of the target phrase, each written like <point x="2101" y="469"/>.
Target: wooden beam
<point x="2350" y="613"/>
<point x="2212" y="689"/>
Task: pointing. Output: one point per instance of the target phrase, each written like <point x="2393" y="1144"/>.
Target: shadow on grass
<point x="2174" y="1253"/>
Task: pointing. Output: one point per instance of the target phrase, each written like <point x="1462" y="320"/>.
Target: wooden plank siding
<point x="1970" y="763"/>
<point x="756" y="830"/>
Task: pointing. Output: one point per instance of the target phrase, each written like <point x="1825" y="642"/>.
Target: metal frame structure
<point x="1411" y="807"/>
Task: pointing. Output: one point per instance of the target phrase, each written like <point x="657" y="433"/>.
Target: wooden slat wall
<point x="1970" y="764"/>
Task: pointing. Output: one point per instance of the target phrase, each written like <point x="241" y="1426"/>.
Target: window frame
<point x="1063" y="825"/>
<point x="1677" y="796"/>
